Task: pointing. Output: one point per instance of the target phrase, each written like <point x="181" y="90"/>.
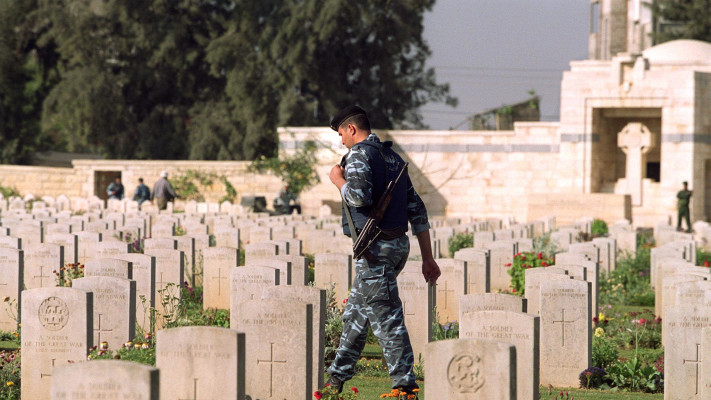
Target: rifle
<point x="370" y="232"/>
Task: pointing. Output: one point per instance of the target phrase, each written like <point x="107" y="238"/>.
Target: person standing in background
<point x="143" y="193"/>
<point x="115" y="189"/>
<point x="163" y="191"/>
<point x="682" y="204"/>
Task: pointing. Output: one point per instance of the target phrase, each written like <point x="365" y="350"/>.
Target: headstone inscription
<point x="566" y="335"/>
<point x="104" y="379"/>
<point x="42" y="261"/>
<point x="317" y="298"/>
<point x="284" y="267"/>
<point x="108" y="249"/>
<point x="517" y="328"/>
<point x="247" y="283"/>
<point x="201" y="362"/>
<point x="470" y="369"/>
<point x="683" y="328"/>
<point x="491" y="302"/>
<point x="57" y="327"/>
<point x="113" y="267"/>
<point x="217" y="264"/>
<point x="279" y="340"/>
<point x="114" y="308"/>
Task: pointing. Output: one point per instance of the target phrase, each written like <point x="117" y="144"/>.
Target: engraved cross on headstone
<point x="562" y="323"/>
<point x="219" y="278"/>
<point x="41" y="276"/>
<point x="160" y="285"/>
<point x="98" y="330"/>
<point x="446" y="293"/>
<point x="405" y="308"/>
<point x="697" y="362"/>
<point x="271" y="361"/>
<point x="43" y="375"/>
<point x="194" y="390"/>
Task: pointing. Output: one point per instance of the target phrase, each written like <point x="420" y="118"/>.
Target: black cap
<point x="344" y="114"/>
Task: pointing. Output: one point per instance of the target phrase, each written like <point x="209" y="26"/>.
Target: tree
<point x="26" y="74"/>
<point x="687" y="19"/>
<point x="297" y="62"/>
<point x="205" y="79"/>
<point x="131" y="72"/>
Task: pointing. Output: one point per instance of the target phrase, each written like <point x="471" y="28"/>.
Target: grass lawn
<point x="372" y="388"/>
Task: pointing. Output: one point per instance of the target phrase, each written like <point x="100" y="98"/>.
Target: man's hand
<point x="430" y="270"/>
<point x="337" y="176"/>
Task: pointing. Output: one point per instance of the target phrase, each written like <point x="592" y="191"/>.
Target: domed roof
<point x="680" y="50"/>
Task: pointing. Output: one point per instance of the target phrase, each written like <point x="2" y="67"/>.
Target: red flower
<point x="354" y="389"/>
<point x="540" y="255"/>
<point x="706" y="263"/>
<point x="508" y="265"/>
<point x="543" y="263"/>
<point x="514" y="290"/>
<point x="318" y="395"/>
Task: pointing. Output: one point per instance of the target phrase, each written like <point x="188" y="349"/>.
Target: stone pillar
<point x="636" y="141"/>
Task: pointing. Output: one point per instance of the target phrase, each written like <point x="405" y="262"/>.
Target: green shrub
<point x="635" y="376"/>
<point x="297" y="171"/>
<point x="140" y="351"/>
<point x="599" y="228"/>
<point x="10" y="375"/>
<point x="231" y="194"/>
<point x="8" y="192"/>
<point x="629" y="282"/>
<point x="703" y="258"/>
<point x="460" y="241"/>
<point x="522" y="262"/>
<point x="449" y="330"/>
<point x="604" y="351"/>
<point x="544" y="244"/>
<point x="333" y="326"/>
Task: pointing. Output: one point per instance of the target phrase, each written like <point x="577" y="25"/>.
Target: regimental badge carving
<point x="464" y="373"/>
<point x="53" y="313"/>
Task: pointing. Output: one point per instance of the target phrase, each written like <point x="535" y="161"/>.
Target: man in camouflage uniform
<point x="374" y="300"/>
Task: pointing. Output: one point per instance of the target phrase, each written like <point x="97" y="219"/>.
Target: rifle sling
<point x="351" y="226"/>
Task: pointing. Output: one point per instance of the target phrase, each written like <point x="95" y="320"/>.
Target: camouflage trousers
<point x="374" y="301"/>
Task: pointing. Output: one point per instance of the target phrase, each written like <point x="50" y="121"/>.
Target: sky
<point x="493" y="52"/>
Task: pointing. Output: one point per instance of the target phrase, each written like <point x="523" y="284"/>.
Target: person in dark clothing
<point x="115" y="189"/>
<point x="143" y="193"/>
<point x="374" y="301"/>
<point x="682" y="205"/>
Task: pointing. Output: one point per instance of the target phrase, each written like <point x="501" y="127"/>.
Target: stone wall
<point x="41" y="181"/>
<point x="481" y="173"/>
<point x="80" y="180"/>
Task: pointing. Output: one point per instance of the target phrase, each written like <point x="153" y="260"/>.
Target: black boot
<point x="335" y="383"/>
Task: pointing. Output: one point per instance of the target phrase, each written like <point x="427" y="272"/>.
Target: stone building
<point x="632" y="129"/>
